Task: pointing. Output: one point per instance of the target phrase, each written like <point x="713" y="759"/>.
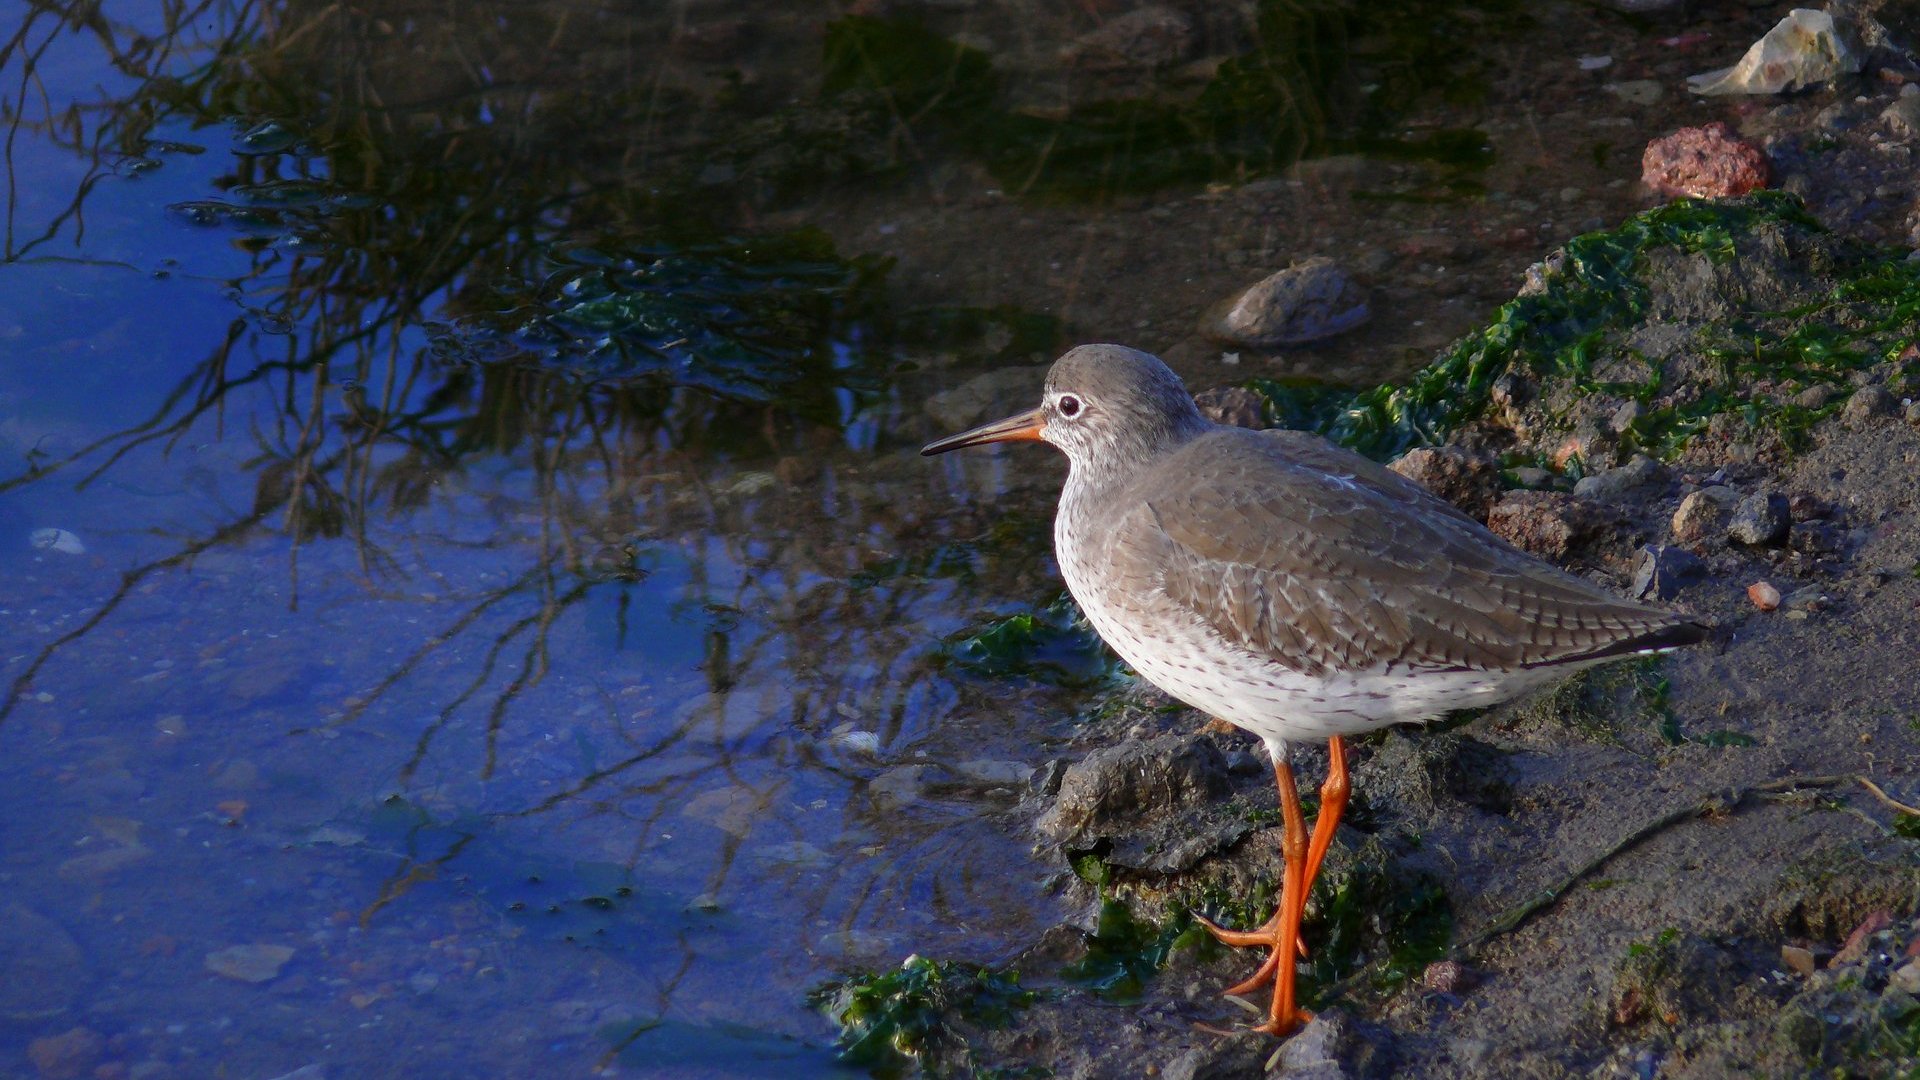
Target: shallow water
<point x="495" y="620"/>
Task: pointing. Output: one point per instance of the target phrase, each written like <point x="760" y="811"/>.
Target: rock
<point x="1234" y="405"/>
<point x="1802" y="49"/>
<point x="59" y="540"/>
<point x="1816" y="396"/>
<point x="1903" y="116"/>
<point x="1549" y="524"/>
<point x="1704" y="162"/>
<point x="1307" y="301"/>
<point x="1326" y="1049"/>
<point x="1614" y="483"/>
<point x="46" y="971"/>
<point x="1226" y="1058"/>
<point x="1761" y="520"/>
<point x="1421" y="774"/>
<point x="1532" y="477"/>
<point x="249" y="963"/>
<point x="1803" y="506"/>
<point x="903" y="785"/>
<point x="1869" y="403"/>
<point x="989" y="772"/>
<point x="1763" y="595"/>
<point x="1466" y="479"/>
<point x="1444" y="977"/>
<point x="1624" y="417"/>
<point x="1913" y="414"/>
<point x="67" y="1056"/>
<point x="1798" y="960"/>
<point x="1144" y="39"/>
<point x="1704" y="513"/>
<point x="1122" y="784"/>
<point x="1662" y="570"/>
<point x="1906" y="979"/>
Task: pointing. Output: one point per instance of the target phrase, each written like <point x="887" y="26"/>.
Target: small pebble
<point x="1764" y="596"/>
<point x="1799" y="959"/>
<point x="1869" y="403"/>
<point x="1761" y="520"/>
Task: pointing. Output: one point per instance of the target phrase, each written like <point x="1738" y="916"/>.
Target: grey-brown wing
<point x="1318" y="561"/>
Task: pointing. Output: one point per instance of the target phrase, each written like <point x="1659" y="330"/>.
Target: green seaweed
<point x="892" y="1021"/>
<point x="1053" y="645"/>
<point x="1124" y="951"/>
<point x="1554" y="332"/>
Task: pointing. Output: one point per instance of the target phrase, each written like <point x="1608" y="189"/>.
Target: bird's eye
<point x="1068" y="405"/>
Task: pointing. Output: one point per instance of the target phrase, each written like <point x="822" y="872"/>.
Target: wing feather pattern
<point x="1324" y="562"/>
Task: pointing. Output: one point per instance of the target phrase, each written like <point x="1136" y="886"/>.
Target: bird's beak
<point x="1025" y="427"/>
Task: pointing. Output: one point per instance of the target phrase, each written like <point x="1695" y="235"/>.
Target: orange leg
<point x="1333" y="803"/>
<point x="1302" y="860"/>
<point x="1281" y="933"/>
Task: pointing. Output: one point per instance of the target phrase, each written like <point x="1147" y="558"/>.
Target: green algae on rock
<point x="891" y="1021"/>
<point x="1710" y="314"/>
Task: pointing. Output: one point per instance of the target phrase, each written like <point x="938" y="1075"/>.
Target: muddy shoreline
<point x="1696" y="867"/>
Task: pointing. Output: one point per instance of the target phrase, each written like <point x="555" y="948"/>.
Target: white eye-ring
<point x="1067" y="405"/>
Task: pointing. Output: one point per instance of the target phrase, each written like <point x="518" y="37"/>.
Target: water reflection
<point x="496" y="590"/>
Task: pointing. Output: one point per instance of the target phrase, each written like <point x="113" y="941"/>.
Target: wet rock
<point x="1468" y="480"/>
<point x="1222" y="1059"/>
<point x="46" y="971"/>
<point x="1761" y="520"/>
<point x="1869" y="403"/>
<point x="1704" y="162"/>
<point x="1143" y="39"/>
<point x="1903" y="116"/>
<point x="1763" y="596"/>
<point x="1234" y="405"/>
<point x="1307" y="301"/>
<point x="1624" y="417"/>
<point x="1704" y="513"/>
<point x="1662" y="570"/>
<point x="1613" y="484"/>
<point x="68" y="1055"/>
<point x="903" y="785"/>
<point x="1801" y="50"/>
<point x="1328" y="1048"/>
<point x="249" y="963"/>
<point x="989" y="773"/>
<point x="1121" y="785"/>
<point x="1675" y="979"/>
<point x="1549" y="524"/>
<point x="1421" y="774"/>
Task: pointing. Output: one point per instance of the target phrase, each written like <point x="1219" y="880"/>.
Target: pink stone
<point x="1705" y="162"/>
